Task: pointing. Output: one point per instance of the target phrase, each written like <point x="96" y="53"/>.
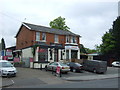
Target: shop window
<point x="74" y="54"/>
<point x="43" y="55"/>
<point x="67" y="54"/>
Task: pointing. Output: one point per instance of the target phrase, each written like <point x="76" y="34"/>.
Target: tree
<point x="3" y="44"/>
<point x="59" y="23"/>
<point x="110" y="46"/>
<point x="98" y="48"/>
<point x="82" y="49"/>
<point x="90" y="50"/>
<point x="116" y="34"/>
<point x="108" y="43"/>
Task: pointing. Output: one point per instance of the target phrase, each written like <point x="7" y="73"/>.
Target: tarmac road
<point x="27" y="77"/>
<point x="105" y="83"/>
<point x="30" y="77"/>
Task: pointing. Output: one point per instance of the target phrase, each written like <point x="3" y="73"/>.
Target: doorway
<point x="56" y="55"/>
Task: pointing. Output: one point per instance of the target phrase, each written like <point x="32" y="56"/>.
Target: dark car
<point x="75" y="67"/>
<point x="95" y="66"/>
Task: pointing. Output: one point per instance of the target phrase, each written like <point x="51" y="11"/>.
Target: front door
<point x="74" y="54"/>
<point x="56" y="55"/>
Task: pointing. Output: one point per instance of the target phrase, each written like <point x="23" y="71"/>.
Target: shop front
<point x="46" y="54"/>
<point x="72" y="52"/>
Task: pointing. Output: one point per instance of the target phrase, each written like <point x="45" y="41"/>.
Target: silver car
<point x="53" y="66"/>
<point x="116" y="64"/>
<point x="7" y="69"/>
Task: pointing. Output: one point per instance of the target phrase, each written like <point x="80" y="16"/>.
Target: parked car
<point x="75" y="67"/>
<point x="7" y="69"/>
<point x="116" y="64"/>
<point x="95" y="66"/>
<point x="53" y="66"/>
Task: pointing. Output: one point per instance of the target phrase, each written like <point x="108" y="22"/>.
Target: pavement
<point x="6" y="82"/>
<point x="90" y="77"/>
<point x="9" y="82"/>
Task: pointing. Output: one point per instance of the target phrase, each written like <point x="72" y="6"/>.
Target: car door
<point x="50" y="66"/>
<point x="55" y="66"/>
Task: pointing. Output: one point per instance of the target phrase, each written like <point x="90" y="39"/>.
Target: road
<point x="27" y="77"/>
<point x="106" y="83"/>
<point x="35" y="78"/>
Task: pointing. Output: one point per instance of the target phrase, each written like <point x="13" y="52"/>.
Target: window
<point x="44" y="36"/>
<point x="50" y="54"/>
<point x="67" y="39"/>
<point x="56" y="38"/>
<point x="73" y="39"/>
<point x="61" y="55"/>
<point x="74" y="54"/>
<point x="67" y="54"/>
<point x="37" y="36"/>
<point x="43" y="55"/>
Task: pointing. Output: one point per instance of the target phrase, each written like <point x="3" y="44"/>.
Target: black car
<point x="75" y="67"/>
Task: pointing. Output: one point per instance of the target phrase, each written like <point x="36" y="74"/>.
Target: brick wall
<point x="25" y="38"/>
<point x="49" y="38"/>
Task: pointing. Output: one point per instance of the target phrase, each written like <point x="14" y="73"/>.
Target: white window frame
<point x="44" y="34"/>
<point x="56" y="38"/>
<point x="67" y="39"/>
<point x="37" y="36"/>
<point x="73" y="38"/>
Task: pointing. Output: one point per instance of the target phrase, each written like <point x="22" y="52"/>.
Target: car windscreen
<point x="117" y="62"/>
<point x="77" y="64"/>
<point x="6" y="64"/>
<point x="62" y="64"/>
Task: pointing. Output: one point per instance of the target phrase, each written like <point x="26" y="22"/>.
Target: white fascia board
<point x="26" y="26"/>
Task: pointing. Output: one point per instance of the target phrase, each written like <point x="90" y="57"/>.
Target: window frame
<point x="73" y="39"/>
<point x="56" y="39"/>
<point x="37" y="36"/>
<point x="67" y="39"/>
<point x="44" y="34"/>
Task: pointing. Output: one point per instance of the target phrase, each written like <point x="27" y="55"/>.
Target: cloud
<point x="88" y="19"/>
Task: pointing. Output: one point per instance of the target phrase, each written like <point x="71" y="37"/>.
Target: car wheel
<point x="94" y="71"/>
<point x="74" y="70"/>
<point x="15" y="75"/>
<point x="71" y="69"/>
<point x="81" y="71"/>
<point x="46" y="68"/>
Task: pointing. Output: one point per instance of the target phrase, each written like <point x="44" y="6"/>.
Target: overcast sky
<point x="88" y="18"/>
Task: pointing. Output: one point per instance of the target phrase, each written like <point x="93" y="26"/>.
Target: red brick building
<point x="52" y="44"/>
